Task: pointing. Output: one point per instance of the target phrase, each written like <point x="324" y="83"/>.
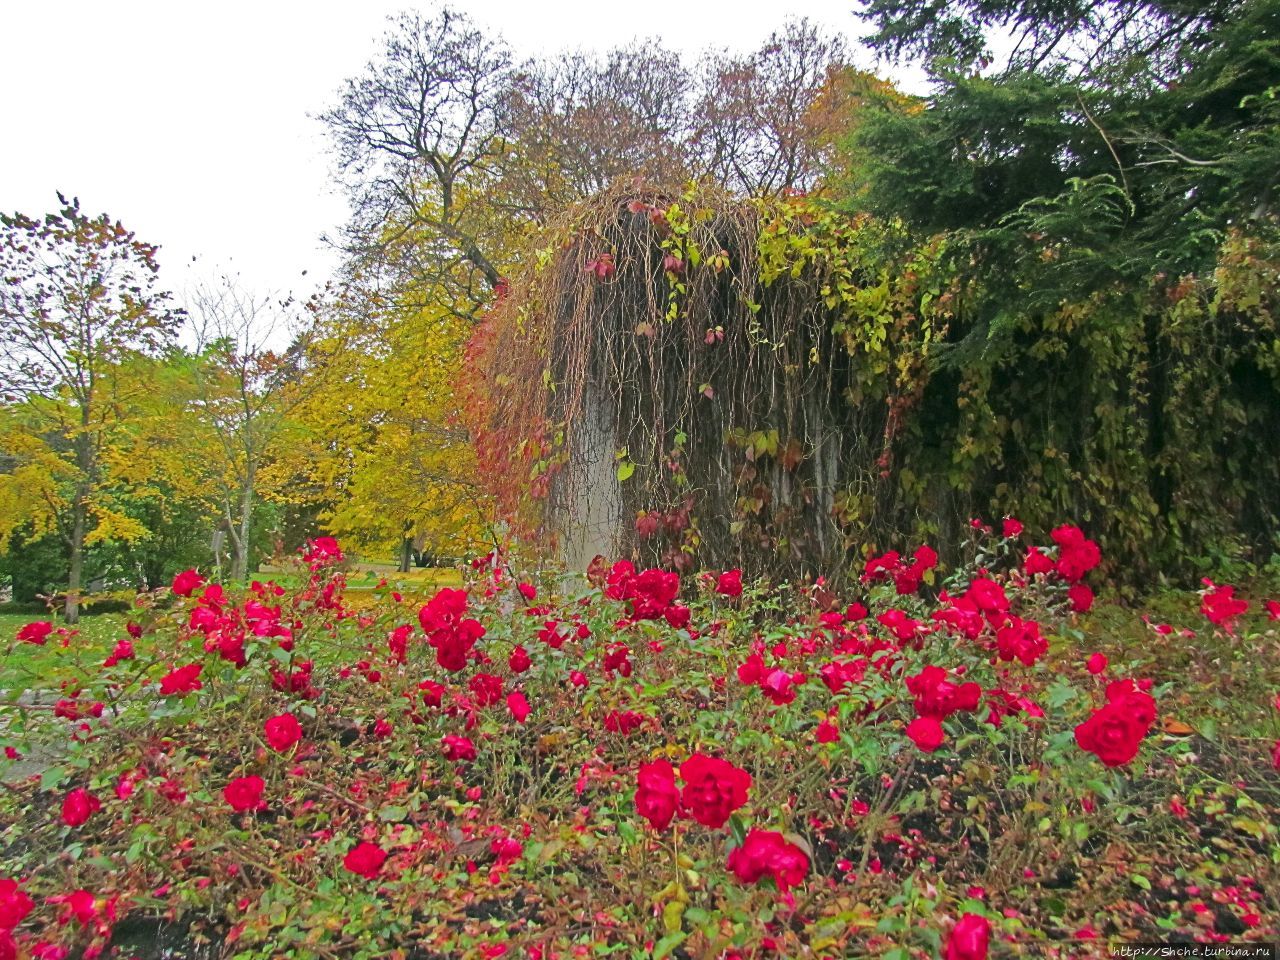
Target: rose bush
<point x="922" y="763"/>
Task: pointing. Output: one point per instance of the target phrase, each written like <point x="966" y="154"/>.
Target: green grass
<point x="95" y="636"/>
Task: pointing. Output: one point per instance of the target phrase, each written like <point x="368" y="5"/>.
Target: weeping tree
<point x="656" y="388"/>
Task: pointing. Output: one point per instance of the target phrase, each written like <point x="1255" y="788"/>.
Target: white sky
<point x="189" y="121"/>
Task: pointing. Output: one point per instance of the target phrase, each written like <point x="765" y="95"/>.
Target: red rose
<point x="365" y="859"/>
<point x="1012" y="528"/>
<point x="244" y="793"/>
<point x="186" y="582"/>
<point x="283" y="731"/>
<point x="1076" y="555"/>
<point x="713" y="789"/>
<point x="519" y="660"/>
<point x="987" y="595"/>
<point x="1021" y="639"/>
<point x="14" y="904"/>
<point x="486" y="688"/>
<point x="519" y="706"/>
<point x="730" y="583"/>
<point x="779" y="686"/>
<point x="123" y="651"/>
<point x="1081" y="597"/>
<point x="752" y="671"/>
<point x="767" y="852"/>
<point x="78" y="806"/>
<point x="1221" y="607"/>
<point x="656" y="794"/>
<point x="926" y="733"/>
<point x="80" y="904"/>
<point x="182" y="680"/>
<point x="458" y="748"/>
<point x="37" y="633"/>
<point x="969" y="939"/>
<point x="677" y="616"/>
<point x="827" y="732"/>
<point x="1038" y="562"/>
<point x="1114" y="733"/>
<point x="1096" y="663"/>
<point x="936" y="696"/>
<point x="321" y="552"/>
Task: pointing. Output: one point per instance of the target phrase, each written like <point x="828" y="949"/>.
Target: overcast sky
<point x="190" y="122"/>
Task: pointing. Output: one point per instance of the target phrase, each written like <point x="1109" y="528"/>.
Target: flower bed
<point x="644" y="766"/>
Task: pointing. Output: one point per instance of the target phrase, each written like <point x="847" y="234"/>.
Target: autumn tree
<point x="78" y="298"/>
<point x="755" y="131"/>
<point x="408" y="132"/>
<point x="579" y="121"/>
<point x="243" y="394"/>
<point x="385" y="456"/>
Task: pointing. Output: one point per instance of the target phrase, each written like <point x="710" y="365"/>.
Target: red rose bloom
<point x="656" y="794"/>
<point x="1096" y="663"/>
<point x="926" y="733"/>
<point x="186" y="582"/>
<point x="767" y="853"/>
<point x="677" y="616"/>
<point x="1221" y="607"/>
<point x="486" y="688"/>
<point x="987" y="595"/>
<point x="713" y="789"/>
<point x="1076" y="555"/>
<point x="1081" y="597"/>
<point x="1011" y="528"/>
<point x="365" y="859"/>
<point x="969" y="939"/>
<point x="78" y="806"/>
<point x="519" y="706"/>
<point x="182" y="680"/>
<point x="283" y="731"/>
<point x="1038" y="562"/>
<point x="1115" y="732"/>
<point x="37" y="633"/>
<point x="244" y="793"/>
<point x="14" y="904"/>
<point x="123" y="651"/>
<point x="730" y="583"/>
<point x="519" y="660"/>
<point x="460" y="749"/>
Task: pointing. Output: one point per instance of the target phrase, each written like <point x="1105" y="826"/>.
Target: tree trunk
<point x="240" y="563"/>
<point x="85" y="462"/>
<point x="71" y="610"/>
<point x="406" y="548"/>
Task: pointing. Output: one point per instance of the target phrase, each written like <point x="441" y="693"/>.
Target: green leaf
<point x="627" y="831"/>
<point x="625" y="470"/>
<point x="668" y="943"/>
